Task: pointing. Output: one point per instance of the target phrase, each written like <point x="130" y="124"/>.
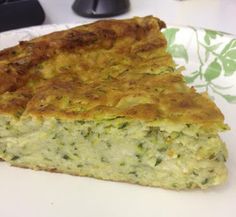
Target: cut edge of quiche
<point x="105" y="100"/>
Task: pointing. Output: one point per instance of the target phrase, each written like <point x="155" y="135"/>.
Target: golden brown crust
<point x="17" y="64"/>
<point x="102" y="70"/>
<point x="135" y="96"/>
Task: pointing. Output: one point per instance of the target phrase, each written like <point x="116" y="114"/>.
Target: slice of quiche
<point x="105" y="100"/>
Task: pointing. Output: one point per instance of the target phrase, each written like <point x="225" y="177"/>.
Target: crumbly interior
<point x="175" y="156"/>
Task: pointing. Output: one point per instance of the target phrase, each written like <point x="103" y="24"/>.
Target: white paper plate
<point x="210" y="61"/>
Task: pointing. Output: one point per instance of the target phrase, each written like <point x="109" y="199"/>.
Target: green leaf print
<point x="190" y="79"/>
<point x="230" y="45"/>
<point x="207" y="39"/>
<point x="229" y="66"/>
<point x="179" y="51"/>
<point x="207" y="55"/>
<point x="214" y="47"/>
<point x="210" y="49"/>
<point x="216" y="58"/>
<point x="170" y="35"/>
<point x="212" y="71"/>
<point x="230" y="98"/>
<point x="231" y="54"/>
<point x="228" y="58"/>
<point x="209" y="35"/>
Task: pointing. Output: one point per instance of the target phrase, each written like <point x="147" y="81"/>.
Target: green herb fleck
<point x="123" y="125"/>
<point x="162" y="149"/>
<point x="225" y="128"/>
<point x="122" y="164"/>
<point x="80" y="122"/>
<point x="224" y="158"/>
<point x="212" y="156"/>
<point x="104" y="160"/>
<point x="88" y="133"/>
<point x="8" y="127"/>
<point x="134" y="173"/>
<point x="205" y="181"/>
<point x="108" y="126"/>
<point x="158" y="161"/>
<point x="54" y="137"/>
<point x="174" y="185"/>
<point x="58" y="121"/>
<point x="140" y="146"/>
<point x="15" y="157"/>
<point x="66" y="157"/>
<point x="108" y="145"/>
<point x="79" y="165"/>
<point x="139" y="157"/>
<point x="189" y="185"/>
<point x="18" y="114"/>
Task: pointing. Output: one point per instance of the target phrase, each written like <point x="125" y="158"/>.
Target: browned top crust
<point x="108" y="69"/>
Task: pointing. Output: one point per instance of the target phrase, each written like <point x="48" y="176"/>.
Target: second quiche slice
<point x="105" y="100"/>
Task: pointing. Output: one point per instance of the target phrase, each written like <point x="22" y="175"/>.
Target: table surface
<point x="212" y="14"/>
<point x="26" y="193"/>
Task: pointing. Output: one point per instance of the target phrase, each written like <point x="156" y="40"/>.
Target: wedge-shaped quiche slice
<point x="105" y="100"/>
